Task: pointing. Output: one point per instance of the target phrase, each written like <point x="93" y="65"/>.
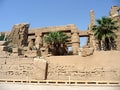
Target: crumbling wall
<point x="19" y="35"/>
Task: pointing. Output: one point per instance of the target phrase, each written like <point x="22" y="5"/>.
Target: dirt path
<point x="53" y="87"/>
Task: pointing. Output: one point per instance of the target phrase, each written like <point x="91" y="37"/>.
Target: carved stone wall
<point x="22" y="69"/>
<point x="101" y="66"/>
<point x="62" y="72"/>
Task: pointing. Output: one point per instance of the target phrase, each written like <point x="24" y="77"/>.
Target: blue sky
<point x="41" y="13"/>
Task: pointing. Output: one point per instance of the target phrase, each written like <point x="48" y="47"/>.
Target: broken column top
<point x="114" y="11"/>
<point x="92" y="17"/>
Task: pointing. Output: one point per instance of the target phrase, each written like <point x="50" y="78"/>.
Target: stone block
<point x="86" y="52"/>
<point x="39" y="69"/>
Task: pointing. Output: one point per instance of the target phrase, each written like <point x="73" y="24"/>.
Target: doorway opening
<point x="83" y="41"/>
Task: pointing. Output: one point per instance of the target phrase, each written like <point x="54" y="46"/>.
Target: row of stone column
<point x="75" y="41"/>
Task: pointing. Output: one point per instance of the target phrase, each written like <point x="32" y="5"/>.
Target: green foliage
<point x="2" y="37"/>
<point x="104" y="32"/>
<point x="56" y="42"/>
<point x="56" y="38"/>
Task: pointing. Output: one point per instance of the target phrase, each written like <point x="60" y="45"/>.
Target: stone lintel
<point x="83" y="33"/>
<point x="68" y="27"/>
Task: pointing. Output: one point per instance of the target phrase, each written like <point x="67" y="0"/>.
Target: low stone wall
<point x="22" y="69"/>
<point x="73" y="72"/>
<point x="102" y="66"/>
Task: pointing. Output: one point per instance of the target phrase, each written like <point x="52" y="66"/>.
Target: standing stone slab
<point x="39" y="69"/>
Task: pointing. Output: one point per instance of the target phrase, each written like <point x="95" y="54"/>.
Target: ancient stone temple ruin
<point x="32" y="40"/>
<point x="30" y="59"/>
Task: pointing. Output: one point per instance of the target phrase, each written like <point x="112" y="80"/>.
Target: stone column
<point x="92" y="17"/>
<point x="23" y="34"/>
<point x="44" y="49"/>
<point x="75" y="42"/>
<point x="30" y="44"/>
<point x="92" y="42"/>
<point x="38" y="40"/>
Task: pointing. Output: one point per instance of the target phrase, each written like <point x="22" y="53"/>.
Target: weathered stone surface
<point x="118" y="40"/>
<point x="117" y="32"/>
<point x="3" y="54"/>
<point x="15" y="50"/>
<point x="15" y="70"/>
<point x="19" y="35"/>
<point x="63" y="72"/>
<point x="30" y="53"/>
<point x="30" y="44"/>
<point x="40" y="69"/>
<point x="38" y="40"/>
<point x="114" y="11"/>
<point x="44" y="51"/>
<point x="75" y="40"/>
<point x="2" y="43"/>
<point x="91" y="40"/>
<point x="22" y="69"/>
<point x="101" y="66"/>
<point x="3" y="48"/>
<point x="86" y="51"/>
<point x="92" y="18"/>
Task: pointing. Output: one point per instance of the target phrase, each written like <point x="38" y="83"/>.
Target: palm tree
<point x="56" y="42"/>
<point x="104" y="33"/>
<point x="2" y="37"/>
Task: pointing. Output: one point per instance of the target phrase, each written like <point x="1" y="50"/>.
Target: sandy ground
<point x="4" y="86"/>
